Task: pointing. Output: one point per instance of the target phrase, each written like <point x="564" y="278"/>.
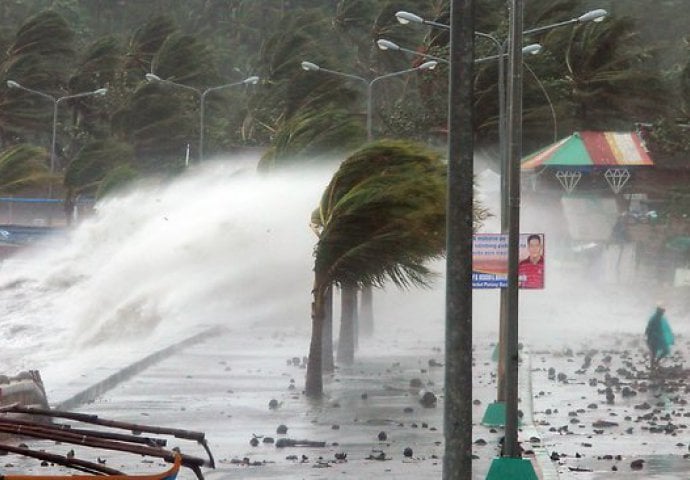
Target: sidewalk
<point x="588" y="413"/>
<point x="600" y="414"/>
<point x="223" y="384"/>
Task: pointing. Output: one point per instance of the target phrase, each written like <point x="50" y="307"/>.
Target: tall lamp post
<point x="150" y="77"/>
<point x="596" y="15"/>
<point x="383" y="44"/>
<point x="510" y="192"/>
<point x="312" y="67"/>
<point x="495" y="413"/>
<point x="56" y="102"/>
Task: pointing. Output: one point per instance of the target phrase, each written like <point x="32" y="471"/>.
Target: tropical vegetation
<point x="612" y="74"/>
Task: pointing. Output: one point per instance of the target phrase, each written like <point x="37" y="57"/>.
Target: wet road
<point x="224" y="385"/>
<point x="600" y="411"/>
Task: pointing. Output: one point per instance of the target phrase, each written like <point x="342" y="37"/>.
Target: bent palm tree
<point x="376" y="222"/>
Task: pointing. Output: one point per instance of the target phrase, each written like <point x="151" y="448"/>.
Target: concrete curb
<point x="547" y="471"/>
<point x="89" y="394"/>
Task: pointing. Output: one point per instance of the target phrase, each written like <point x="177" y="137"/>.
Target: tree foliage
<point x="94" y="162"/>
<point x="383" y="216"/>
<point x="607" y="75"/>
<point x="23" y="166"/>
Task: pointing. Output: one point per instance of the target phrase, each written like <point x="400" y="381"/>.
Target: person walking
<point x="659" y="337"/>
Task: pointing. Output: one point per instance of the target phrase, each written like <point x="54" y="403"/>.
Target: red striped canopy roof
<point x="591" y="149"/>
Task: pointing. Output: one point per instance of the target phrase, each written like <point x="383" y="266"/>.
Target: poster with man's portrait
<point x="490" y="261"/>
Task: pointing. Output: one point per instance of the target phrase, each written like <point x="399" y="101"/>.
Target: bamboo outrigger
<point x="30" y="422"/>
<point x="170" y="474"/>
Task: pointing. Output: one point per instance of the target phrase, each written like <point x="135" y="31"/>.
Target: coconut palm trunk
<point x="314" y="381"/>
<point x="366" y="312"/>
<point x="327" y="337"/>
<point x="374" y="227"/>
<point x="346" y="340"/>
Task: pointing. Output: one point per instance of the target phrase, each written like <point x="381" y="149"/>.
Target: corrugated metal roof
<point x="592" y="149"/>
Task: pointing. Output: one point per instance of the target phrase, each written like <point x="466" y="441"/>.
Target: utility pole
<point x="457" y="423"/>
<point x="514" y="138"/>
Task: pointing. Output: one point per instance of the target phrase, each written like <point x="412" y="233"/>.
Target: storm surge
<point x="220" y="245"/>
<point x="225" y="246"/>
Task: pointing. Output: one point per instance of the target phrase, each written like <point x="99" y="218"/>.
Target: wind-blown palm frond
<point x="94" y="161"/>
<point x="609" y="83"/>
<point x="49" y="39"/>
<point x="187" y="60"/>
<point x="99" y="66"/>
<point x="39" y="58"/>
<point x="387" y="227"/>
<point x="146" y="42"/>
<point x="310" y="135"/>
<point x="377" y="158"/>
<point x="23" y="166"/>
<point x="382" y="216"/>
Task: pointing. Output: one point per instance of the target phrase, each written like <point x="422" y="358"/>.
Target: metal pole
<point x="201" y="125"/>
<point x="514" y="138"/>
<point x="52" y="147"/>
<point x="370" y="91"/>
<point x="503" y="155"/>
<point x="52" y="143"/>
<point x="457" y="422"/>
<point x="370" y="108"/>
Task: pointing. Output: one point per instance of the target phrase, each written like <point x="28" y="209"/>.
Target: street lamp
<point x="383" y="44"/>
<point x="597" y="15"/>
<point x="253" y="80"/>
<point x="510" y="135"/>
<point x="407" y="17"/>
<point x="56" y="101"/>
<point x="312" y="67"/>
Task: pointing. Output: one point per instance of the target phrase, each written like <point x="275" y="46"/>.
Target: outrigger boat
<point x="86" y="430"/>
<point x="170" y="474"/>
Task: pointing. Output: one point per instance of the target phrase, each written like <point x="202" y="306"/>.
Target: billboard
<point x="490" y="260"/>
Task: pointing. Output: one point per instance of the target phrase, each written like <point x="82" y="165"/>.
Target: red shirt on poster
<point x="531" y="269"/>
<point x="530" y="274"/>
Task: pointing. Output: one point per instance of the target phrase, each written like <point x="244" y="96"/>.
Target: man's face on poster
<point x="534" y="248"/>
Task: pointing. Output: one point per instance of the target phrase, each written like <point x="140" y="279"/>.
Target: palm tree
<point x="378" y="221"/>
<point x="145" y="44"/>
<point x="91" y="166"/>
<point x="601" y="76"/>
<point x="23" y="166"/>
<point x="39" y="57"/>
<point x="310" y="134"/>
<point x="608" y="77"/>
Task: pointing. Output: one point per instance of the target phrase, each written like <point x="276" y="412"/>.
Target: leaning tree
<point x="382" y="217"/>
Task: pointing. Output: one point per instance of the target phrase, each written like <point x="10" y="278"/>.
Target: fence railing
<point x="40" y="212"/>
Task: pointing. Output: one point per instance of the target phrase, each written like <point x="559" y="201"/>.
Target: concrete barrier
<point x="89" y="394"/>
